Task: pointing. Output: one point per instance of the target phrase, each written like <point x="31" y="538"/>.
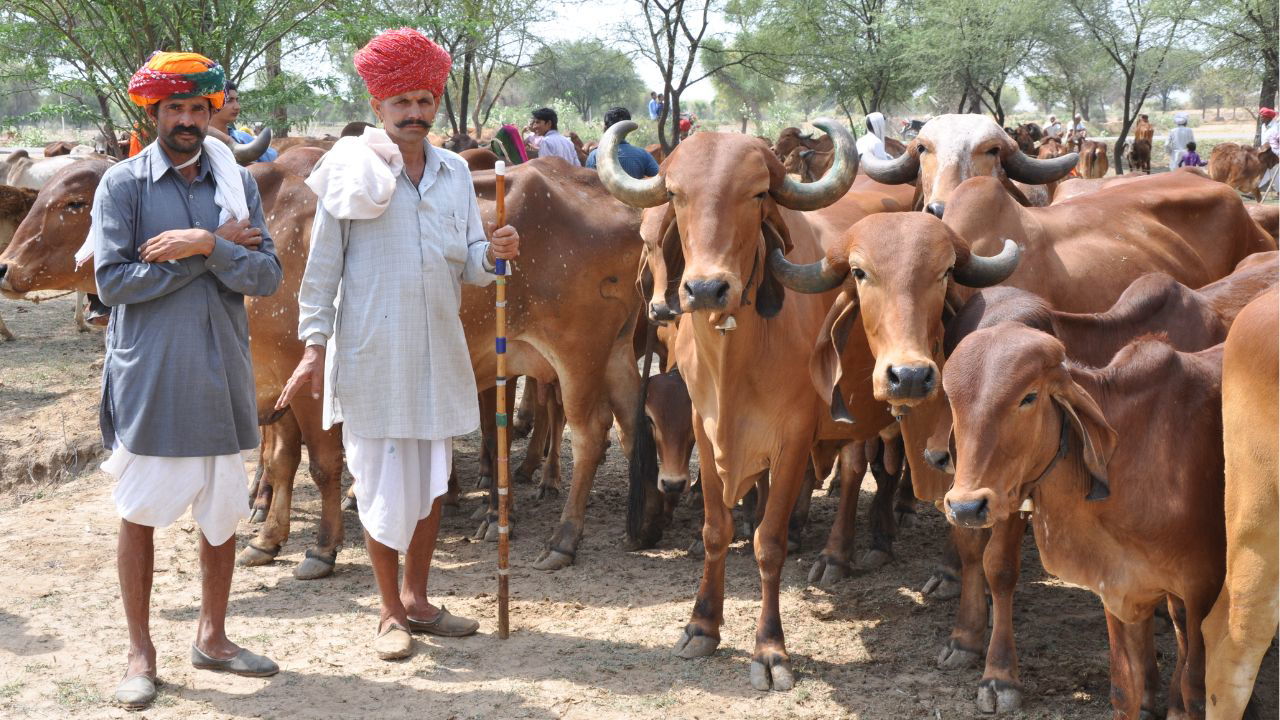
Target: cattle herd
<point x="1096" y="358"/>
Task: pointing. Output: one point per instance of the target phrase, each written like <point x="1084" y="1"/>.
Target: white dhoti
<point x="397" y="481"/>
<point x="156" y="491"/>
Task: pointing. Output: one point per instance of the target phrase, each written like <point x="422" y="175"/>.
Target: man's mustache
<point x="410" y="123"/>
<point x="187" y="129"/>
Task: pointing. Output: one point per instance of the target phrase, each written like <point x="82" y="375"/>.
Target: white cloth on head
<point x="397" y="481"/>
<point x="873" y="141"/>
<point x="357" y="177"/>
<point x="156" y="491"/>
<point x="228" y="192"/>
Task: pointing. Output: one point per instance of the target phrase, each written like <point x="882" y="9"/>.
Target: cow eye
<point x="859" y="274"/>
<point x="760" y="195"/>
<point x="994" y="151"/>
<point x="77" y="205"/>
<point x="1030" y="398"/>
<point x="922" y="149"/>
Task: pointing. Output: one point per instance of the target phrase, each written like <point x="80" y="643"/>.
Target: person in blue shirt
<point x="636" y="161"/>
<point x="225" y="120"/>
<point x="655" y="106"/>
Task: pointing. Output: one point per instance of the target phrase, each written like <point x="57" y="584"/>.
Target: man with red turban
<point x="1270" y="138"/>
<point x="397" y="228"/>
<point x="178" y="240"/>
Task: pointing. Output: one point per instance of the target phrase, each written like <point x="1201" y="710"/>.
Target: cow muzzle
<point x="673" y="484"/>
<point x="708" y="293"/>
<point x="936" y="209"/>
<point x="910" y="381"/>
<point x="969" y="509"/>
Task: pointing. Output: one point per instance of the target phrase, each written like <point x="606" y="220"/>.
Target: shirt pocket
<point x="453" y="244"/>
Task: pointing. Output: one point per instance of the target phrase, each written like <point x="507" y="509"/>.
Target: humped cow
<point x="1241" y="166"/>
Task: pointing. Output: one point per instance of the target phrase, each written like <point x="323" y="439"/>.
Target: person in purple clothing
<point x="1190" y="158"/>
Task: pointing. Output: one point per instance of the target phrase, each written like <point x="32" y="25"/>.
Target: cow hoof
<point x="906" y="518"/>
<point x="998" y="696"/>
<point x="522" y="476"/>
<point x="257" y="516"/>
<point x="349" y="504"/>
<point x="483" y="482"/>
<point x="251" y="556"/>
<point x="941" y="586"/>
<point x="697" y="550"/>
<point x="874" y="560"/>
<point x="552" y="560"/>
<point x="313" y="568"/>
<point x="695" y="646"/>
<point x="954" y="657"/>
<point x="776" y="676"/>
<point x="481" y="513"/>
<point x="547" y="492"/>
<point x="488" y="530"/>
<point x="828" y="571"/>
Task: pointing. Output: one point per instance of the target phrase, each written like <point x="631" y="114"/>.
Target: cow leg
<point x="964" y="646"/>
<point x="1000" y="689"/>
<point x="527" y="411"/>
<point x="535" y="450"/>
<point x="944" y="584"/>
<point x="770" y="664"/>
<point x="81" y="324"/>
<point x="325" y="462"/>
<point x="489" y="440"/>
<point x="1128" y="661"/>
<point x="1239" y="630"/>
<point x="835" y="562"/>
<point x="281" y="457"/>
<point x="885" y="468"/>
<point x="636" y="437"/>
<point x="4" y="330"/>
<point x="800" y="514"/>
<point x="260" y="493"/>
<point x="590" y="420"/>
<point x="554" y="418"/>
<point x="701" y="636"/>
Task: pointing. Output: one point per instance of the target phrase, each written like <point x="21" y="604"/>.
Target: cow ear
<point x="666" y="262"/>
<point x="771" y="293"/>
<point x="1098" y="439"/>
<point x="824" y="364"/>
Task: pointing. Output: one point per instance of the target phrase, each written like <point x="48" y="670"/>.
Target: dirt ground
<point x="591" y="641"/>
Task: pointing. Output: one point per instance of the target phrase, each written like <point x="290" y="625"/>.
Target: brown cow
<point x="669" y="409"/>
<point x="720" y="205"/>
<point x="15" y="203"/>
<point x="300" y="159"/>
<point x="1239" y="629"/>
<point x="59" y="147"/>
<point x="479" y="158"/>
<point x="1267" y="216"/>
<point x="791" y="138"/>
<point x="1140" y="156"/>
<point x="1241" y="166"/>
<point x="459" y="142"/>
<point x="953" y="148"/>
<point x="284" y="143"/>
<point x="1112" y="475"/>
<point x="905" y="305"/>
<point x="1093" y="161"/>
<point x="655" y="149"/>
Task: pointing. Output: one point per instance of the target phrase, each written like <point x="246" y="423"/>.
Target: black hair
<point x="546" y="114"/>
<point x="615" y="115"/>
<point x="1191" y="146"/>
<point x="231" y="86"/>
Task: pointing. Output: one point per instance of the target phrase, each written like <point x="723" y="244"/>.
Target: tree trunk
<point x="448" y="110"/>
<point x="280" y="114"/>
<point x="464" y="97"/>
<point x="1267" y="98"/>
<point x="108" y="128"/>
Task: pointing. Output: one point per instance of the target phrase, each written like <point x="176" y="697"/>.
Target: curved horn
<point x="980" y="272"/>
<point x="894" y="171"/>
<point x="834" y="184"/>
<point x="646" y="193"/>
<point x="814" y="277"/>
<point x="244" y="153"/>
<point x="1034" y="171"/>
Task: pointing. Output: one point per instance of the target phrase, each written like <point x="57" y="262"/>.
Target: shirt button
<point x="191" y="197"/>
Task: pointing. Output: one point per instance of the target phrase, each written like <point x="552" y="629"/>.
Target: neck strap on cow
<point x="1063" y="446"/>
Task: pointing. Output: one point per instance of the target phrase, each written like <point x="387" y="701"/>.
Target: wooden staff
<point x="500" y="268"/>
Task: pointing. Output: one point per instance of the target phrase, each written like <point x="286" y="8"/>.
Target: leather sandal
<point x="445" y="625"/>
<point x="136" y="692"/>
<point x="244" y="663"/>
<point x="393" y="643"/>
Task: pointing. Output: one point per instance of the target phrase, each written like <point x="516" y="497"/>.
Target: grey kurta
<point x="397" y="364"/>
<point x="177" y="380"/>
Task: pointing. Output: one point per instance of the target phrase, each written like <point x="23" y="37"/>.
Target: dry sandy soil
<point x="591" y="641"/>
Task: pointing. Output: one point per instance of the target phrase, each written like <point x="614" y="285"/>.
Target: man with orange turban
<point x="397" y="227"/>
<point x="178" y="241"/>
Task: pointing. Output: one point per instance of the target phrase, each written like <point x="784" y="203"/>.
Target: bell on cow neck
<point x="726" y="324"/>
<point x="1027" y="508"/>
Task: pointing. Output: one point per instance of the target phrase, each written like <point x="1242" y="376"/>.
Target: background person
<point x="1179" y="137"/>
<point x="636" y="161"/>
<point x="551" y="142"/>
<point x="225" y="120"/>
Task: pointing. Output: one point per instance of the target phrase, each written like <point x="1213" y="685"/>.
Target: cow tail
<point x="642" y="466"/>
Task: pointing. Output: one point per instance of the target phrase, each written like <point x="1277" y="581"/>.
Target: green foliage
<point x="588" y="75"/>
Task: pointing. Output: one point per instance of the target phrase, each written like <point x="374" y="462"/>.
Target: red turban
<point x="398" y="61"/>
<point x="1267" y="113"/>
